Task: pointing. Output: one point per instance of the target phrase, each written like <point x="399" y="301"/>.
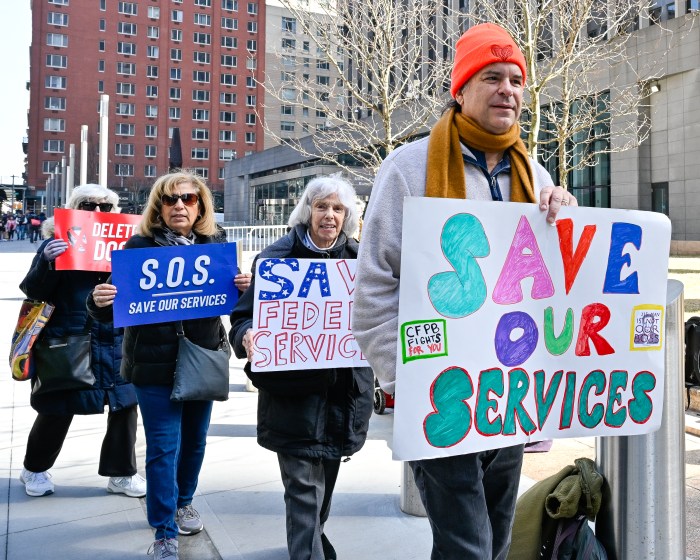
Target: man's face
<point x="493" y="97"/>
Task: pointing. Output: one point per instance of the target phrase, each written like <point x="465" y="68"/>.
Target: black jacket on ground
<point x="67" y="290"/>
<point x="150" y="351"/>
<point x="327" y="423"/>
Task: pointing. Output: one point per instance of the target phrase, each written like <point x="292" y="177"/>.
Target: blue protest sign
<point x="176" y="283"/>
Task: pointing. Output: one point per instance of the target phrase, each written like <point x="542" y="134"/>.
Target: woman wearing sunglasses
<point x="179" y="211"/>
<point x="67" y="290"/>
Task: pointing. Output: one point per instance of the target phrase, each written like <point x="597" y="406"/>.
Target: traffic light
<point x="19" y="194"/>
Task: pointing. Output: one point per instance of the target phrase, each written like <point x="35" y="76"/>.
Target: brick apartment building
<point x="193" y="65"/>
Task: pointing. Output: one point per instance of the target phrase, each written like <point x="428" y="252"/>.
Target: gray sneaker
<point x="164" y="549"/>
<point x="188" y="521"/>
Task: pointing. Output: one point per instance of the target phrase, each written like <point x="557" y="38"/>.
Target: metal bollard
<point x="643" y="512"/>
<point x="410" y="501"/>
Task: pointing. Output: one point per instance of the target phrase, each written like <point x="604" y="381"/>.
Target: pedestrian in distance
<point x="21" y="225"/>
<point x="67" y="291"/>
<point x="474" y="151"/>
<point x="310" y="418"/>
<point x="10" y="226"/>
<point x="179" y="211"/>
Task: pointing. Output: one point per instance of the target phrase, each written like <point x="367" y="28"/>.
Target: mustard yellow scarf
<point x="445" y="173"/>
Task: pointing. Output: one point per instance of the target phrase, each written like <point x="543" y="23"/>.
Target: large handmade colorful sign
<point x="173" y="283"/>
<point x="91" y="237"/>
<point x="301" y="317"/>
<point x="513" y="330"/>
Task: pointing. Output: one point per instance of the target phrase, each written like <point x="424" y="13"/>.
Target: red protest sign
<point x="91" y="237"/>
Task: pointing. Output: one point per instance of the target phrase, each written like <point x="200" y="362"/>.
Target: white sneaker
<point x="36" y="483"/>
<point x="132" y="486"/>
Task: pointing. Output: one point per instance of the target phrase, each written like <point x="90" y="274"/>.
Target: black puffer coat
<point x="67" y="290"/>
<point x="327" y="424"/>
<point x="150" y="351"/>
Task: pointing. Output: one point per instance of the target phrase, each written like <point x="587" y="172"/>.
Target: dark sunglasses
<point x="188" y="199"/>
<point x="104" y="206"/>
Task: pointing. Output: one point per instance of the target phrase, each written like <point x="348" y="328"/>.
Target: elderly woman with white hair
<point x="310" y="418"/>
<point x="67" y="290"/>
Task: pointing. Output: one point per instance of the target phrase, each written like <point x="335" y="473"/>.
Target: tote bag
<point x="33" y="316"/>
<point x="201" y="374"/>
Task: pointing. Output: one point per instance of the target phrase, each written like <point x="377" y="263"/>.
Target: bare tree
<point x="390" y="64"/>
<point x="584" y="73"/>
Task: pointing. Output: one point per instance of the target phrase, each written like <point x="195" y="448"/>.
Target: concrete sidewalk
<point x="240" y="495"/>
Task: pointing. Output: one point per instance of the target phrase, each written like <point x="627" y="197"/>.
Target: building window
<point x="287" y="76"/>
<point x="229" y="42"/>
<point x="289" y="43"/>
<point x="228" y="79"/>
<point x="176" y="54"/>
<point x="205" y="3"/>
<point x="201" y="57"/>
<point x="229" y="23"/>
<point x="151" y="71"/>
<point x="100" y="86"/>
<point x="151" y="150"/>
<point x="200" y="153"/>
<point x="251" y="64"/>
<point x="227" y="116"/>
<point x="126" y="88"/>
<point x="227" y="154"/>
<point x="226" y="98"/>
<point x="252" y="8"/>
<point x="56" y="146"/>
<point x="57" y="18"/>
<point x="103" y="5"/>
<point x="252" y="27"/>
<point x="56" y="40"/>
<point x="176" y="35"/>
<point x="126" y="68"/>
<point x="203" y="172"/>
<point x="229" y="60"/>
<point x="323" y="65"/>
<point x="200" y="134"/>
<point x="126" y="48"/>
<point x="175" y="73"/>
<point x="56" y="61"/>
<point x="289" y="24"/>
<point x="250" y="82"/>
<point x="175" y="93"/>
<point x="151" y="91"/>
<point x="128" y="109"/>
<point x="125" y="28"/>
<point x="48" y="166"/>
<point x="222" y="173"/>
<point x="100" y="65"/>
<point x="55" y="103"/>
<point x="251" y="45"/>
<point x="153" y="32"/>
<point x="152" y="111"/>
<point x="124" y="170"/>
<point x="202" y="38"/>
<point x="123" y="149"/>
<point x="202" y="95"/>
<point x="230" y="5"/>
<point x="200" y="114"/>
<point x="174" y="113"/>
<point x="59" y="2"/>
<point x="200" y="76"/>
<point x="151" y="131"/>
<point x="202" y="19"/>
<point x="250" y="100"/>
<point x="250" y="118"/>
<point x="250" y="137"/>
<point x="128" y="8"/>
<point x="176" y="16"/>
<point x="124" y="129"/>
<point x="227" y="135"/>
<point x="323" y="80"/>
<point x="286" y="126"/>
<point x="149" y="171"/>
<point x="152" y="51"/>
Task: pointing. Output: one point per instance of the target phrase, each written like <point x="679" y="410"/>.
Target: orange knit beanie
<point x="480" y="46"/>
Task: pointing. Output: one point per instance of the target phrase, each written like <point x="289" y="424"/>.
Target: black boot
<point x="328" y="550"/>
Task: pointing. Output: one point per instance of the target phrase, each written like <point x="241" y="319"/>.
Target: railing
<point x="254" y="238"/>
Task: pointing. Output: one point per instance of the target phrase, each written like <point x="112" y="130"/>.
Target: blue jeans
<point x="176" y="436"/>
<point x="470" y="502"/>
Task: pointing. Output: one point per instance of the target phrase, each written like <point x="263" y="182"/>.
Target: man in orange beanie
<point x="474" y="151"/>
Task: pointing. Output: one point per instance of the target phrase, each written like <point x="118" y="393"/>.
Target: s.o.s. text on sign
<point x="173" y="283"/>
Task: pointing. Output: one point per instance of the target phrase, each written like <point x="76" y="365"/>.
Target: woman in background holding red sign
<point x="68" y="290"/>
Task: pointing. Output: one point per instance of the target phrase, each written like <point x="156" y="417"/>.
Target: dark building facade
<point x="192" y="65"/>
